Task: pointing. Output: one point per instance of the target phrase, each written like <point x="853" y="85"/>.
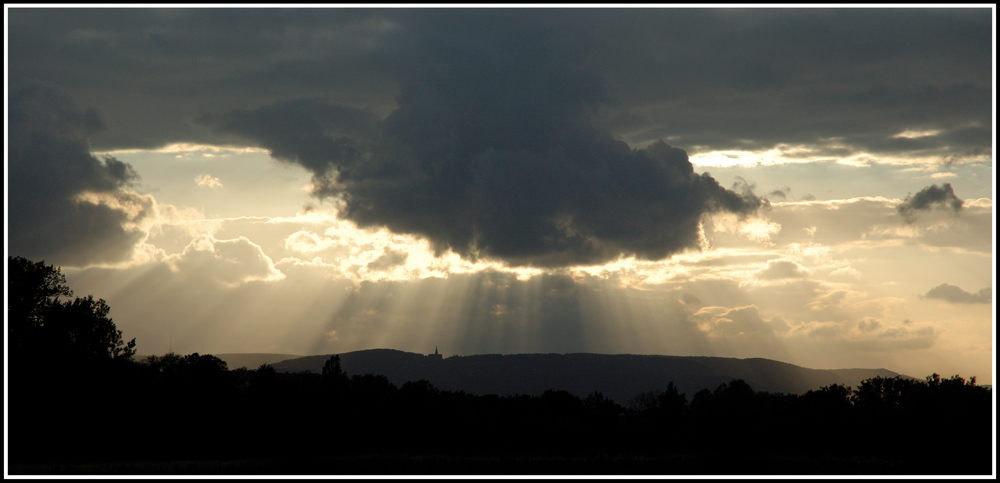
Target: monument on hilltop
<point x="435" y="356"/>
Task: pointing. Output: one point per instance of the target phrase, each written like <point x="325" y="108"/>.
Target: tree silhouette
<point x="880" y="394"/>
<point x="32" y="288"/>
<point x="672" y="401"/>
<point x="601" y="408"/>
<point x="41" y="327"/>
<point x="68" y="365"/>
<point x="264" y="379"/>
<point x="82" y="329"/>
<point x="333" y="374"/>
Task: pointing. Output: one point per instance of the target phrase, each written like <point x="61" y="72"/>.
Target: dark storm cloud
<point x="955" y="295"/>
<point x="738" y="79"/>
<point x="309" y="132"/>
<point x="501" y="167"/>
<point x="49" y="165"/>
<point x="490" y="152"/>
<point x="153" y="70"/>
<point x="929" y="197"/>
<point x="713" y="78"/>
<point x="498" y="132"/>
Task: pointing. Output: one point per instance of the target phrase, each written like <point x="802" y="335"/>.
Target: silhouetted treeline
<point x="93" y="403"/>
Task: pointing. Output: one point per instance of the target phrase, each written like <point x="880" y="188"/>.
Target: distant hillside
<point x="253" y="361"/>
<point x="618" y="376"/>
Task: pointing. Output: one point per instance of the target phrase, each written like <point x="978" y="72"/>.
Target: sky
<point x="809" y="185"/>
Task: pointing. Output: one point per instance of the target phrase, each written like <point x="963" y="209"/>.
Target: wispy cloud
<point x="208" y="181"/>
<point x="955" y="295"/>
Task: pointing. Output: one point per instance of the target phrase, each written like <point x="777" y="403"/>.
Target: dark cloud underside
<point x="49" y="165"/>
<point x="499" y="133"/>
<point x="715" y="78"/>
<point x="491" y="153"/>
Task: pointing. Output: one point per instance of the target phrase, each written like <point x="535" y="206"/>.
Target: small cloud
<point x="689" y="299"/>
<point x="305" y="242"/>
<point x="760" y="230"/>
<point x="869" y="324"/>
<point x="927" y="198"/>
<point x="914" y="134"/>
<point x="756" y="228"/>
<point x="780" y="193"/>
<point x="917" y="338"/>
<point x="846" y="272"/>
<point x="825" y="330"/>
<point x="871" y="334"/>
<point x="971" y="155"/>
<point x="808" y="198"/>
<point x="738" y="321"/>
<point x="388" y="260"/>
<point x="944" y="175"/>
<point x="955" y="295"/>
<point x="207" y="181"/>
<point x="830" y="300"/>
<point x="779" y="269"/>
<point x="229" y="262"/>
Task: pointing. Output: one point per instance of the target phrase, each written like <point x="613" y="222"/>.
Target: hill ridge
<point x="617" y="376"/>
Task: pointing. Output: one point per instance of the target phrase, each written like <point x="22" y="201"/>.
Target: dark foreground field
<point x="407" y="464"/>
<point x="79" y="402"/>
<point x="192" y="416"/>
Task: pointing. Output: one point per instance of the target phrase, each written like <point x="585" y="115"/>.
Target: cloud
<point x="751" y="78"/>
<point x="229" y="262"/>
<point x="310" y="132"/>
<point x="491" y="153"/>
<point x="305" y="242"/>
<point x="846" y="272"/>
<point x="927" y="198"/>
<point x="207" y="181"/>
<point x="387" y="261"/>
<point x="875" y="221"/>
<point x="868" y="335"/>
<point x="768" y="54"/>
<point x="739" y="321"/>
<point x="781" y="269"/>
<point x="955" y="295"/>
<point x="869" y="324"/>
<point x="944" y="175"/>
<point x="690" y="300"/>
<point x="423" y="121"/>
<point x="65" y="205"/>
<point x="780" y="193"/>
